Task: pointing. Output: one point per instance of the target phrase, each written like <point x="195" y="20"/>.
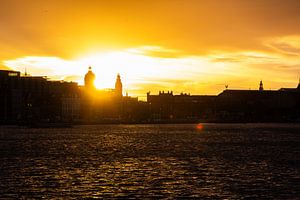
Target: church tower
<point x="89" y="79"/>
<point x="118" y="86"/>
<point x="261" y="86"/>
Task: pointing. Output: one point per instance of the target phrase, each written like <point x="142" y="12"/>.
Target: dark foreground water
<point x="151" y="161"/>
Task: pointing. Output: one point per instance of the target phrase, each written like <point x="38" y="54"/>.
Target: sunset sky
<point x="193" y="46"/>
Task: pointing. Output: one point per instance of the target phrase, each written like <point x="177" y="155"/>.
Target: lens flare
<point x="199" y="127"/>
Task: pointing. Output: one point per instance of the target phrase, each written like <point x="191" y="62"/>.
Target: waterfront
<point x="137" y="161"/>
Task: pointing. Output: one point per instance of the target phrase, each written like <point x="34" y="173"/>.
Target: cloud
<point x="39" y="65"/>
<point x="290" y="69"/>
<point x="289" y="45"/>
<point x="245" y="57"/>
<point x="157" y="51"/>
<point x="68" y="30"/>
<point x="194" y="74"/>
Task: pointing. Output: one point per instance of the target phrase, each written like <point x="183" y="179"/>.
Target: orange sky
<point x="194" y="46"/>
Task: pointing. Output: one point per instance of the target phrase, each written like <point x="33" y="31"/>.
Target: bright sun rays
<point x="135" y="67"/>
<point x="138" y="70"/>
<point x="147" y="68"/>
<point x="107" y="65"/>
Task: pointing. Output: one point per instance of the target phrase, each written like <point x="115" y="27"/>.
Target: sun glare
<point x="130" y="65"/>
<point x="107" y="66"/>
<point x="142" y="71"/>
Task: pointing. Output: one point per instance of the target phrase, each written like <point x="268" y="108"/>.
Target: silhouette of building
<point x="180" y="108"/>
<point x="10" y="95"/>
<point x="106" y="105"/>
<point x="30" y="99"/>
<point x="259" y="105"/>
<point x="33" y="98"/>
<point x="89" y="79"/>
<point x="291" y="89"/>
<point x="66" y="100"/>
<point x="118" y="86"/>
<point x="261" y="86"/>
<point x="229" y="106"/>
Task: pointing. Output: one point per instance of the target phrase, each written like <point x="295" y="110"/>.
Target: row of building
<point x="34" y="99"/>
<point x="27" y="99"/>
<point x="261" y="105"/>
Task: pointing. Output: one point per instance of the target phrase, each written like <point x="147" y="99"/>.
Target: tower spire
<point x="118" y="86"/>
<point x="261" y="86"/>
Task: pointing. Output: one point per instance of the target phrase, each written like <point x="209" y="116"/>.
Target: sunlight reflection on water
<point x="136" y="161"/>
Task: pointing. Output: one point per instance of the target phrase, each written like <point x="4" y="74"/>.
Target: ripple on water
<point x="138" y="161"/>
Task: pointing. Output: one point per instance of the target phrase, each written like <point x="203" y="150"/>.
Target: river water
<point x="216" y="161"/>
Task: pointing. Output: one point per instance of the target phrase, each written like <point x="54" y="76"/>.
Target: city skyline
<point x="183" y="46"/>
<point x="149" y="99"/>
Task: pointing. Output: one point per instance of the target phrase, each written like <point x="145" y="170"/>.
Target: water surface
<point x="137" y="161"/>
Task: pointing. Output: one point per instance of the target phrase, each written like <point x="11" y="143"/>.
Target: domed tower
<point x="89" y="79"/>
<point x="261" y="86"/>
<point x="118" y="86"/>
